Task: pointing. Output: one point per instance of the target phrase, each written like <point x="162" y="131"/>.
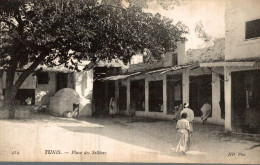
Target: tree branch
<point x="28" y="71"/>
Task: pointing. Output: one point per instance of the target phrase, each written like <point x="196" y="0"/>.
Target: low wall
<point x="23" y="112"/>
<point x="159" y="115"/>
<point x="154" y="115"/>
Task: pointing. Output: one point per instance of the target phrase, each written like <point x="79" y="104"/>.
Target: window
<point x="174" y="59"/>
<point x="253" y="29"/>
<point x="43" y="78"/>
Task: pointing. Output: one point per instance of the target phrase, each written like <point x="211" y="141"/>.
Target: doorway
<point x="61" y="81"/>
<point x="174" y="92"/>
<point x="122" y="97"/>
<point x="156" y="96"/>
<point x="246" y="101"/>
<point x="200" y="92"/>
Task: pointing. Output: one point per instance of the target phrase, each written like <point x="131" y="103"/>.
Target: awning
<point x="165" y="70"/>
<point x="175" y="68"/>
<point x="119" y="77"/>
<point x="158" y="70"/>
<point x="227" y="63"/>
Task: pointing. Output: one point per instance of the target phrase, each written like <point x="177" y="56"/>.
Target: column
<point x="185" y="85"/>
<point x="128" y="95"/>
<point x="228" y="105"/>
<point x="1" y="82"/>
<point x="164" y="94"/>
<point x="117" y="95"/>
<point x="107" y="100"/>
<point x="216" y="112"/>
<point x="146" y="95"/>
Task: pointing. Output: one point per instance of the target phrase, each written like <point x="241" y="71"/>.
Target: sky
<point x="211" y="13"/>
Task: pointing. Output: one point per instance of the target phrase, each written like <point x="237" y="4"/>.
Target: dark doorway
<point x="109" y="93"/>
<point x="156" y="96"/>
<point x="137" y="95"/>
<point x="246" y="101"/>
<point x="174" y="92"/>
<point x="61" y="81"/>
<point x="200" y="92"/>
<point x="103" y="90"/>
<point x="122" y="97"/>
<point x="98" y="97"/>
<point x="22" y="95"/>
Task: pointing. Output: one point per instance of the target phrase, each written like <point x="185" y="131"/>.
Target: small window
<point x="253" y="29"/>
<point x="174" y="59"/>
<point x="43" y="78"/>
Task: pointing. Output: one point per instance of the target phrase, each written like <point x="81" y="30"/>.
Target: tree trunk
<point x="10" y="91"/>
<point x="10" y="101"/>
<point x="12" y="88"/>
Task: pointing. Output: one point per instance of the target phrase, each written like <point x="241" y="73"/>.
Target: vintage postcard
<point x="140" y="81"/>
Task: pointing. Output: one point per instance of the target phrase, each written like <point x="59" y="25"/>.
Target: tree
<point x="47" y="31"/>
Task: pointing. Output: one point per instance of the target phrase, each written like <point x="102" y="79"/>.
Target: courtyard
<point x="121" y="139"/>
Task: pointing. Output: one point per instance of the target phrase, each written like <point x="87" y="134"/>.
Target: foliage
<point x="96" y="30"/>
<point x="201" y="33"/>
<point x="55" y="32"/>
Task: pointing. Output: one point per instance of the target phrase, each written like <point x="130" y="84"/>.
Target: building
<point x="154" y="88"/>
<point x="226" y="74"/>
<point x="241" y="66"/>
<point x="42" y="85"/>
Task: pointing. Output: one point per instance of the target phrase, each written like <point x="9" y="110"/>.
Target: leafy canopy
<point x="51" y="31"/>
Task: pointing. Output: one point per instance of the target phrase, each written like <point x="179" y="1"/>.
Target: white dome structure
<point x="65" y="100"/>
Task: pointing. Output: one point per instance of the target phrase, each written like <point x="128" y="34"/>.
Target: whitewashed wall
<point x="238" y="12"/>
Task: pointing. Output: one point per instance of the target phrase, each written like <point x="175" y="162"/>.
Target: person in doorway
<point x="190" y="118"/>
<point x="206" y="111"/>
<point x="112" y="107"/>
<point x="183" y="128"/>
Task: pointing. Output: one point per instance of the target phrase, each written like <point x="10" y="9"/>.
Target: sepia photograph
<point x="130" y="81"/>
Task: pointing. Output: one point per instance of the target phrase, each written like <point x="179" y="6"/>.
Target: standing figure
<point x="190" y="118"/>
<point x="183" y="128"/>
<point x="206" y="111"/>
<point x="112" y="107"/>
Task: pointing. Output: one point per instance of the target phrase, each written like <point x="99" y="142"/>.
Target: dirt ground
<point x="121" y="139"/>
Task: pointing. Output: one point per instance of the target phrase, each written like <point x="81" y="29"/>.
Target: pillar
<point x="107" y="100"/>
<point x="128" y="96"/>
<point x="228" y="104"/>
<point x="117" y="95"/>
<point x="164" y="94"/>
<point x="146" y="95"/>
<point x="185" y="85"/>
<point x="1" y="82"/>
<point x="216" y="111"/>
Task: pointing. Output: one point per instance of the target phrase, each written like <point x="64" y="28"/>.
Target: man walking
<point x="190" y="118"/>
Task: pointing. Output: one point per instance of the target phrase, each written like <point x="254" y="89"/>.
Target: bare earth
<point x="121" y="139"/>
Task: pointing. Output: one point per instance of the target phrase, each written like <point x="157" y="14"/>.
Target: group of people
<point x="185" y="126"/>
